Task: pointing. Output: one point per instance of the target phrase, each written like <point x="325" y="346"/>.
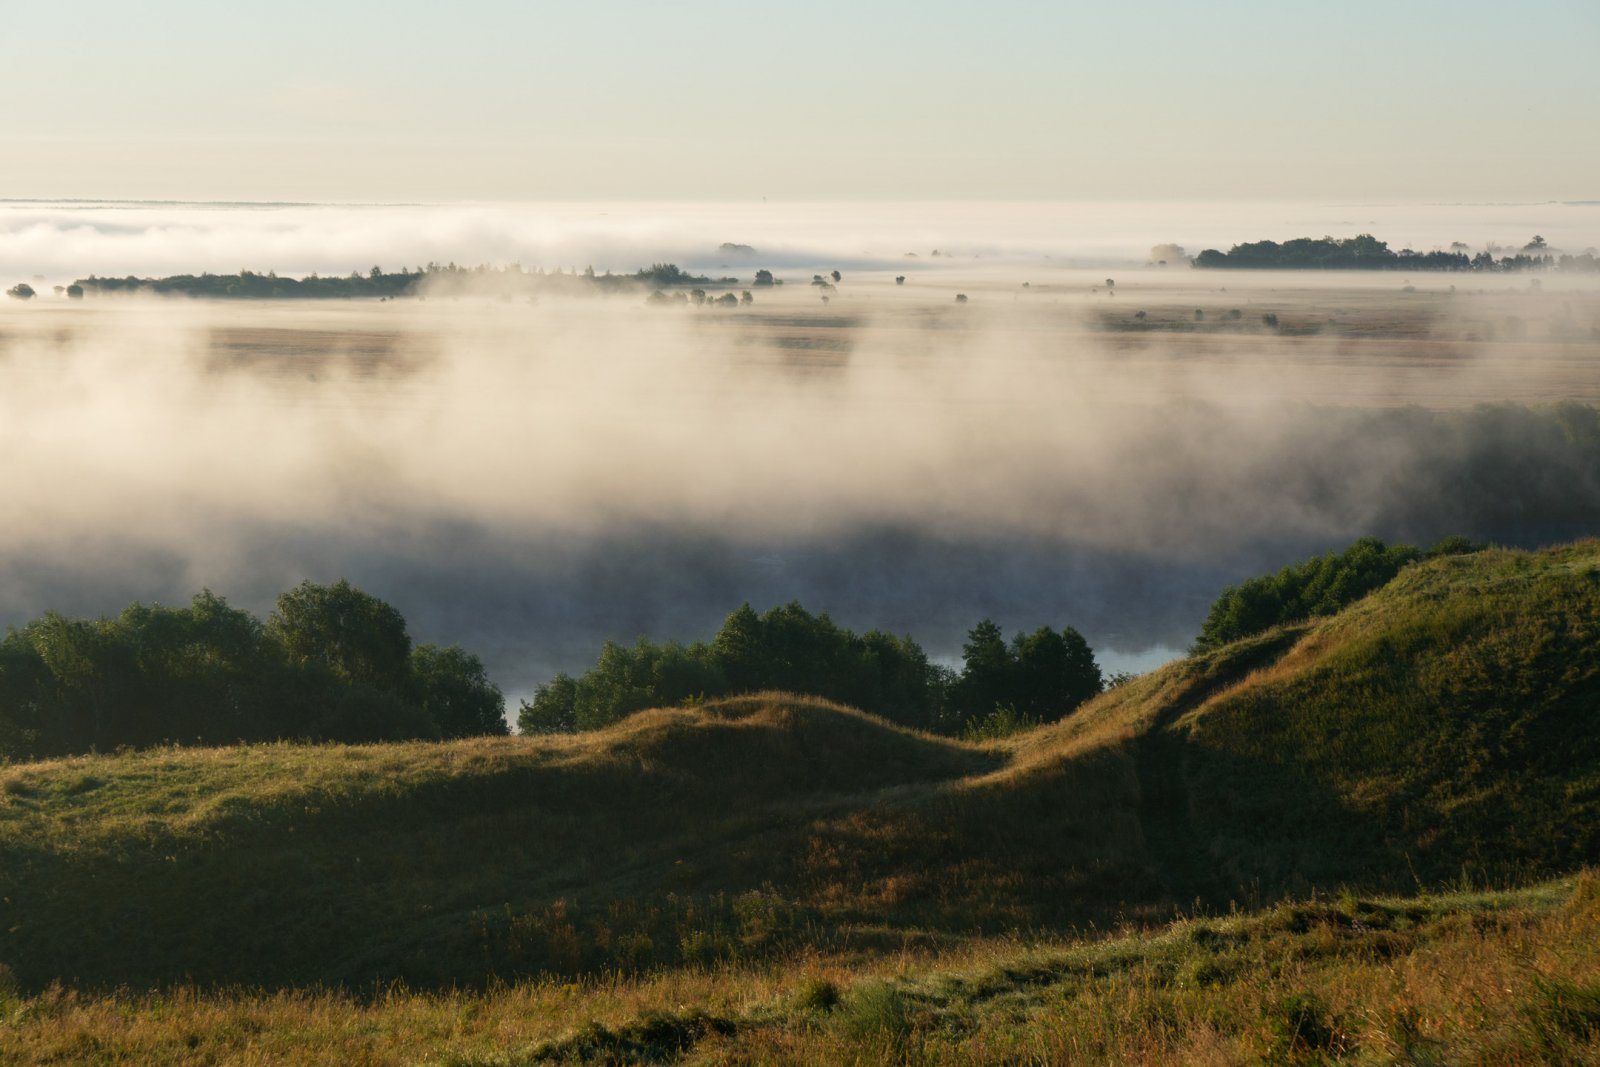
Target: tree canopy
<point x="1046" y="674"/>
<point x="1319" y="586"/>
<point x="331" y="664"/>
<point x="1366" y="252"/>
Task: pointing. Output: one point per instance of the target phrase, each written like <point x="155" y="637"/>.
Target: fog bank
<point x="531" y="480"/>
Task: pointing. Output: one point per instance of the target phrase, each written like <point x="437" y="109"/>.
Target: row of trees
<point x="330" y="664"/>
<point x="699" y="298"/>
<point x="1320" y="586"/>
<point x="1042" y="675"/>
<point x="441" y="278"/>
<point x="1366" y="252"/>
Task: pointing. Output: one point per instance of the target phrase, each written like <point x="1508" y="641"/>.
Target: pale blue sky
<point x="1413" y="101"/>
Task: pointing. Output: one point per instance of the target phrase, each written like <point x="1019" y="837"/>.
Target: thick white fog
<point x="529" y="479"/>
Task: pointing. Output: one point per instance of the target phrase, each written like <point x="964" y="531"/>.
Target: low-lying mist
<point x="530" y="480"/>
<point x="58" y="241"/>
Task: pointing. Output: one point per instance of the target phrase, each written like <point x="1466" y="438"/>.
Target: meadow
<point x="1351" y="839"/>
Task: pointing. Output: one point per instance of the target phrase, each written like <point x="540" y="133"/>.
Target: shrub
<point x="817" y="995"/>
<point x="1001" y="722"/>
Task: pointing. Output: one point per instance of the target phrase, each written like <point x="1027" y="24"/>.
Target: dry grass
<point x="778" y="879"/>
<point x="1468" y="978"/>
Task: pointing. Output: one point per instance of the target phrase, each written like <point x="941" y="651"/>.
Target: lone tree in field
<point x="837" y="277"/>
<point x="20" y="291"/>
<point x="900" y="279"/>
<point x="763" y="278"/>
<point x="74" y="291"/>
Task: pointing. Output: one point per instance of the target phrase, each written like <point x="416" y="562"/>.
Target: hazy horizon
<point x="57" y="241"/>
<point x="624" y="100"/>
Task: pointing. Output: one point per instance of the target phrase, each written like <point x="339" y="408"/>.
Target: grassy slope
<point x="1502" y="978"/>
<point x="1447" y="724"/>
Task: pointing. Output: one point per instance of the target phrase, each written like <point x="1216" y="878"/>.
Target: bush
<point x="817" y="995"/>
<point x="1001" y="722"/>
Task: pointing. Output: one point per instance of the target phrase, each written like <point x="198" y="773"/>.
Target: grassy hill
<point x="1446" y="728"/>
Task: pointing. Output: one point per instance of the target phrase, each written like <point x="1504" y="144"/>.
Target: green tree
<point x="357" y="637"/>
<point x="739" y="651"/>
<point x="20" y="291"/>
<point x="454" y="691"/>
<point x="987" y="666"/>
<point x="627" y="680"/>
<point x="553" y="710"/>
<point x="1054" y="672"/>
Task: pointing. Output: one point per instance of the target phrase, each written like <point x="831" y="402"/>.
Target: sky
<point x="493" y="100"/>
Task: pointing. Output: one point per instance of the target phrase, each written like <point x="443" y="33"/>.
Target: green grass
<point x="1440" y="733"/>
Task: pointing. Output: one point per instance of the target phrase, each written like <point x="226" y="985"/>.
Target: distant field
<point x="1349" y="343"/>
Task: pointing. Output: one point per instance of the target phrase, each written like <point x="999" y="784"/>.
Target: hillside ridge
<point x="1443" y="728"/>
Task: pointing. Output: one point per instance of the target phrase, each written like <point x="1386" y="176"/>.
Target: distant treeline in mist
<point x="1037" y="677"/>
<point x="330" y="664"/>
<point x="1366" y="252"/>
<point x="434" y="279"/>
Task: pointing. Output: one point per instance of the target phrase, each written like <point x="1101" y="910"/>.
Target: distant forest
<point x="1366" y="252"/>
<point x="441" y="279"/>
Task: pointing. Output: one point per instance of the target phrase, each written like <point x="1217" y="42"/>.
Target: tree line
<point x="331" y="663"/>
<point x="334" y="664"/>
<point x="1037" y="676"/>
<point x="1366" y="252"/>
<point x="378" y="284"/>
<point x="1320" y="586"/>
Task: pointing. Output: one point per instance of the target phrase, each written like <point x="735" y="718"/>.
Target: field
<point x="1363" y="339"/>
<point x="1459" y="977"/>
<point x="1355" y="824"/>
